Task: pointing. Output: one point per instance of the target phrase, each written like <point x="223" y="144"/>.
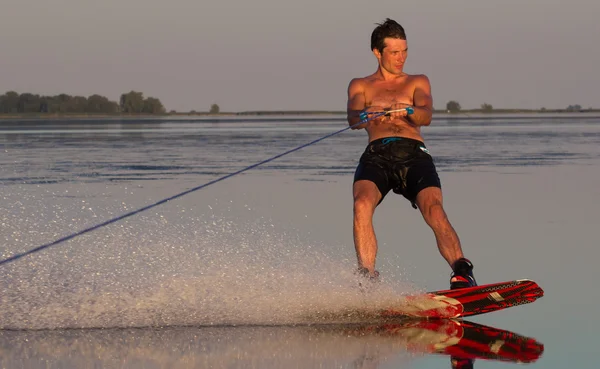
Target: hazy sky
<point x="282" y="54"/>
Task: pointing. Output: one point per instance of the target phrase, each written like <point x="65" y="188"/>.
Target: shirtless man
<point x="396" y="158"/>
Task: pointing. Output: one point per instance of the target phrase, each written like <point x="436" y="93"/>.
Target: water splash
<point x="205" y="271"/>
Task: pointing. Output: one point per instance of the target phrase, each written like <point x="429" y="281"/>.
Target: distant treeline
<point x="132" y="102"/>
<point x="453" y="106"/>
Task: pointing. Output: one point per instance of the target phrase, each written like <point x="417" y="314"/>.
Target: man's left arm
<point x="422" y="102"/>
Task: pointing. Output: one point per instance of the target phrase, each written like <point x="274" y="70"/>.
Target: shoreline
<point x="465" y="114"/>
<point x="15" y="120"/>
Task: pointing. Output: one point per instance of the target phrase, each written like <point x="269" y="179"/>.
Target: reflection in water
<point x="323" y="346"/>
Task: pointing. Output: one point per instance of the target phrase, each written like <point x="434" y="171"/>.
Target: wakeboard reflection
<point x="365" y="346"/>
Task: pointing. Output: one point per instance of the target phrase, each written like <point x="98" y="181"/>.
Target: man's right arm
<point x="356" y="102"/>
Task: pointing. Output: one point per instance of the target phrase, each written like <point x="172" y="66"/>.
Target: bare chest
<point x="387" y="95"/>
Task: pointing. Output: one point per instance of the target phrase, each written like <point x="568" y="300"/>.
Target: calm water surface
<point x="232" y="275"/>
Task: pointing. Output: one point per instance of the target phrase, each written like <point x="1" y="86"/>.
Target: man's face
<point x="394" y="55"/>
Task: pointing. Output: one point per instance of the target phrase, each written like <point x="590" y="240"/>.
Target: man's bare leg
<point x="366" y="197"/>
<point x="429" y="201"/>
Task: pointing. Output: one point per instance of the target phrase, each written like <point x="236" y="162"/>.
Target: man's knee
<point x="366" y="197"/>
<point x="434" y="214"/>
<point x="429" y="201"/>
<point x="364" y="204"/>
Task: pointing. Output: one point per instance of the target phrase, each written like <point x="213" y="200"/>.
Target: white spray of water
<point x="202" y="271"/>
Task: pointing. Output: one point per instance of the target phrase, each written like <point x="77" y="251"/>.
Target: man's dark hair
<point x="390" y="28"/>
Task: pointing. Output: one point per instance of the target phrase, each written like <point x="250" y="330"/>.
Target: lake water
<point x="235" y="271"/>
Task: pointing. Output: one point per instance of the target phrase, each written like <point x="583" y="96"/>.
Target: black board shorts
<point x="400" y="164"/>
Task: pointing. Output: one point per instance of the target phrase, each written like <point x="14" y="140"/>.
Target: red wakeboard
<point x="469" y="301"/>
